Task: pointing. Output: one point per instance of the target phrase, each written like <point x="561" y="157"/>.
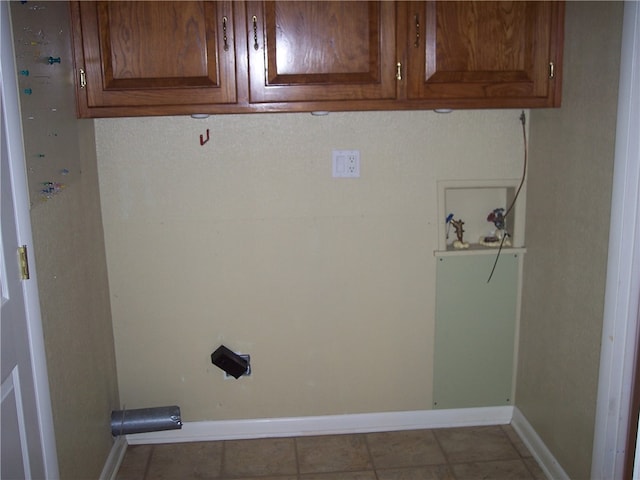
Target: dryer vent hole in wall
<point x="234" y="364"/>
<point x="246" y="373"/>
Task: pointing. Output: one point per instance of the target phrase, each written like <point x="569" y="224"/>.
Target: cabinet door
<point x="322" y="50"/>
<point x="141" y="54"/>
<point x="485" y="53"/>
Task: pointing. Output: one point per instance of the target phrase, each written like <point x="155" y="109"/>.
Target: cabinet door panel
<point x="475" y="331"/>
<point x="489" y="50"/>
<point x="158" y="53"/>
<point x="310" y="51"/>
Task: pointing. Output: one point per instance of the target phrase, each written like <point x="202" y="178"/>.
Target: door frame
<point x="12" y="126"/>
<point x="621" y="320"/>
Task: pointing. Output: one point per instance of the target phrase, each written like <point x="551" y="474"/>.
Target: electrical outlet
<point x="346" y="163"/>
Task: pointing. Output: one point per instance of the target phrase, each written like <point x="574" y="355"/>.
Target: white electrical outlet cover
<point x="346" y="163"/>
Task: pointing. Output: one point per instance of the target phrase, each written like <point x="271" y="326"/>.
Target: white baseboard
<point x="326" y="425"/>
<point x="537" y="447"/>
<point x="114" y="459"/>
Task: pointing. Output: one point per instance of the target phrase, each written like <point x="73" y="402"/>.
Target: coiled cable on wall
<point x="523" y="120"/>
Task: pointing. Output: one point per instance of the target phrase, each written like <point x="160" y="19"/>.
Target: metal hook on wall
<point x="202" y="140"/>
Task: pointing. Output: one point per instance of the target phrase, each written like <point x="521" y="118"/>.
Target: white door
<point x="27" y="441"/>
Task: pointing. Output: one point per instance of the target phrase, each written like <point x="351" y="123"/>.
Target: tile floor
<point x="492" y="452"/>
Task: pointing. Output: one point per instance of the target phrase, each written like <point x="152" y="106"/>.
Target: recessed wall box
<point x="229" y="361"/>
<point x="472" y="201"/>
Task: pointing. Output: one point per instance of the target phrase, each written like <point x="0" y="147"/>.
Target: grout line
<point x="371" y="460"/>
<point x="222" y="458"/>
<point x="518" y="450"/>
<point x="533" y="475"/>
<point x="147" y="467"/>
<point x="511" y="442"/>
<point x="295" y="451"/>
<point x="444" y="452"/>
<point x="523" y="458"/>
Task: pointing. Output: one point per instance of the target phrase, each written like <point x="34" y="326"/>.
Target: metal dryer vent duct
<point x="124" y="422"/>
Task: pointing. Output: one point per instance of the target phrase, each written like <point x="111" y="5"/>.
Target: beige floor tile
<point x="259" y="457"/>
<point x="493" y="452"/>
<point x="404" y="449"/>
<point x="432" y="472"/>
<point x="498" y="470"/>
<point x="134" y="464"/>
<point x="333" y="453"/>
<point x="463" y="445"/>
<point x="195" y="460"/>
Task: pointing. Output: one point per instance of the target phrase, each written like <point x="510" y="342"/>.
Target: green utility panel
<point x="475" y="329"/>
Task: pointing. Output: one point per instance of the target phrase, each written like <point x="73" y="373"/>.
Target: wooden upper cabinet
<point x="302" y="51"/>
<point x="484" y="53"/>
<point x="154" y="55"/>
<point x="184" y="57"/>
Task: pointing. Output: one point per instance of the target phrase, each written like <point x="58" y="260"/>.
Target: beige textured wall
<point x="74" y="298"/>
<point x="249" y="242"/>
<point x="68" y="246"/>
<point x="568" y="203"/>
